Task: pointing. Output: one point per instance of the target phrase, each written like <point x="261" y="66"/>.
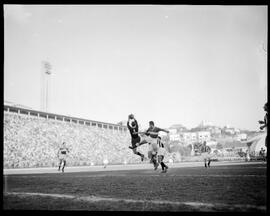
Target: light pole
<point x="46" y="72"/>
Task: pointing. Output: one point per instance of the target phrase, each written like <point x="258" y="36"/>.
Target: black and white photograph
<point x="135" y="108"/>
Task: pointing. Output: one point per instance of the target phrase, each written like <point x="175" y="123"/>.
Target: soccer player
<point x="62" y="154"/>
<point x="205" y="152"/>
<point x="150" y="137"/>
<point x="262" y="154"/>
<point x="105" y="162"/>
<point x="264" y="123"/>
<point x="161" y="154"/>
<point x="133" y="127"/>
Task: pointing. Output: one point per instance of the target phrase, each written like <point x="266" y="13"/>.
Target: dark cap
<point x="151" y="122"/>
<point x="130" y="116"/>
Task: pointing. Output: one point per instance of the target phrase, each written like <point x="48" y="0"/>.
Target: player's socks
<point x="141" y="155"/>
<point x="156" y="165"/>
<point x="162" y="165"/>
<point x="209" y="163"/>
<point x="205" y="165"/>
<point x="64" y="166"/>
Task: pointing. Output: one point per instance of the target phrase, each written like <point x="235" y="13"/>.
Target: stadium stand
<point x="32" y="141"/>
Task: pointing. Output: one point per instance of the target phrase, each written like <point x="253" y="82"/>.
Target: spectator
<point x="33" y="142"/>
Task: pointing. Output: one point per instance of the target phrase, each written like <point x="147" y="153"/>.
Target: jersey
<point x="133" y="129"/>
<point x="205" y="149"/>
<point x="266" y="121"/>
<point x="135" y="138"/>
<point x="205" y="152"/>
<point x="63" y="152"/>
<point x="154" y="129"/>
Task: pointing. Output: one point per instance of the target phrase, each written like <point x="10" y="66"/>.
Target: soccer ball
<point x="132" y="123"/>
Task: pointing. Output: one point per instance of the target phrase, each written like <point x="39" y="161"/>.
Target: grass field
<point x="223" y="187"/>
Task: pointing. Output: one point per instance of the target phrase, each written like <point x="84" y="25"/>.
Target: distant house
<point x="175" y="137"/>
<point x="242" y="137"/>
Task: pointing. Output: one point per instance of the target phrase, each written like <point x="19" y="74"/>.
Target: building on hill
<point x="241" y="137"/>
<point x="188" y="137"/>
<point x="175" y="137"/>
<point x="178" y="127"/>
<point x="172" y="131"/>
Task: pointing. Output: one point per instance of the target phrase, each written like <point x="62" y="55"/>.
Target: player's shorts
<point x="151" y="154"/>
<point x="160" y="158"/>
<point x="206" y="156"/>
<point x="62" y="156"/>
<point x="161" y="151"/>
<point x="151" y="140"/>
<point x="134" y="141"/>
<point x="153" y="147"/>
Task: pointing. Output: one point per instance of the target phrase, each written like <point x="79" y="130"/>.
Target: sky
<point x="173" y="64"/>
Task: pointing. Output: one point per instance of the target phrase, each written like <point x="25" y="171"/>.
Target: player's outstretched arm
<point x="263" y="126"/>
<point x="164" y="130"/>
<point x="261" y="122"/>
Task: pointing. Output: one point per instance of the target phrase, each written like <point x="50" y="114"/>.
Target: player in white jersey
<point x="62" y="155"/>
<point x="161" y="154"/>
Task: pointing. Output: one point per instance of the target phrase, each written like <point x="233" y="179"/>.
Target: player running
<point x="161" y="154"/>
<point x="133" y="127"/>
<point x="62" y="154"/>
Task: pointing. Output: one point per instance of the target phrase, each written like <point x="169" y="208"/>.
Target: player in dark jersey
<point x="152" y="133"/>
<point x="133" y="127"/>
<point x="264" y="123"/>
<point x="62" y="154"/>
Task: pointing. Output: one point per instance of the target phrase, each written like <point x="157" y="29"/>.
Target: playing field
<point x="185" y="187"/>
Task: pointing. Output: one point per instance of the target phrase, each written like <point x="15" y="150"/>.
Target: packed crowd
<point x="34" y="142"/>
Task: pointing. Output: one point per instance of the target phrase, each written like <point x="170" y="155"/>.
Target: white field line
<point x="91" y="199"/>
<point x="152" y="175"/>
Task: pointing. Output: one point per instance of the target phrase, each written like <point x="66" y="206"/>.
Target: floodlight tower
<point x="45" y="88"/>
